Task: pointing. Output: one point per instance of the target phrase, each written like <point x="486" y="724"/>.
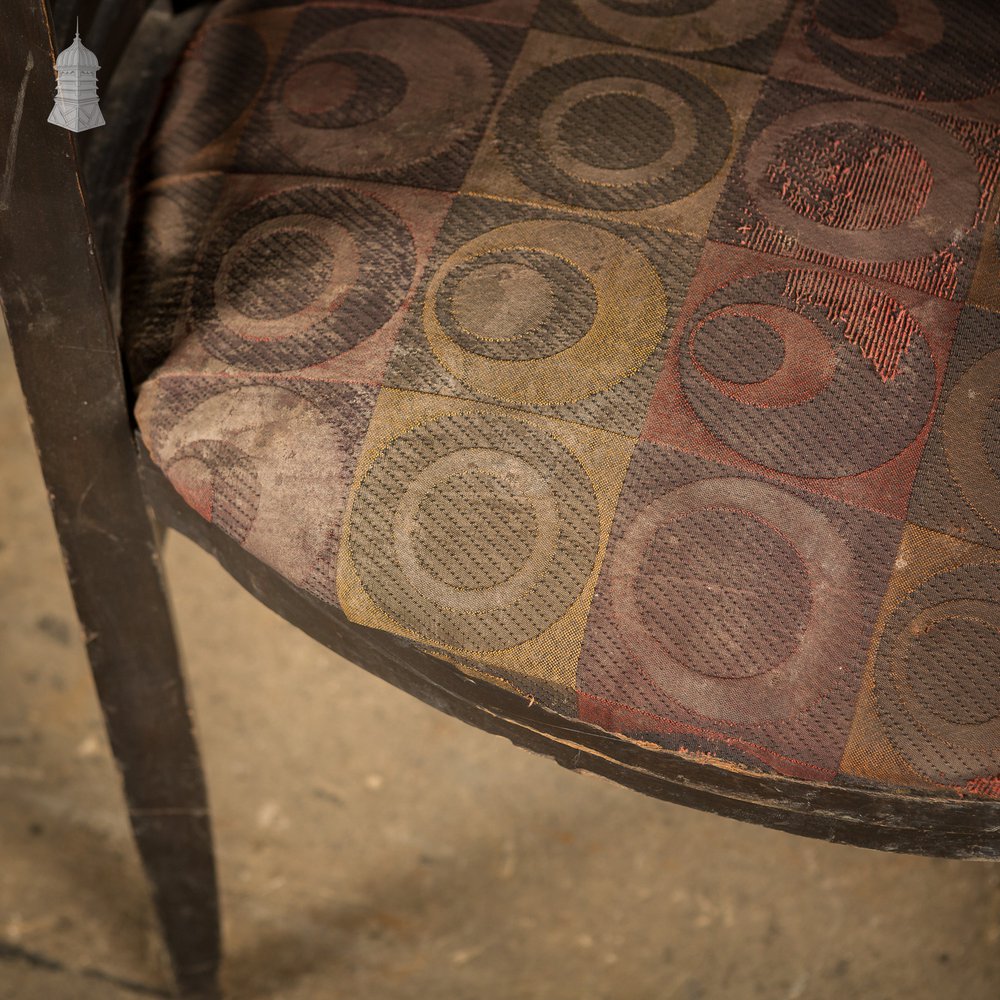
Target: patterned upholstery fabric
<point x="642" y="357"/>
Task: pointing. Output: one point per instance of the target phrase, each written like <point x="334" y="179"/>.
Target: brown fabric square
<point x="554" y="313"/>
<point x="733" y="609"/>
<point x="612" y="130"/>
<point x="364" y="93"/>
<point x="730" y="32"/>
<point x="214" y="93"/>
<point x="957" y="490"/>
<point x="480" y="530"/>
<point x="301" y="273"/>
<point x="918" y="724"/>
<point x="244" y="451"/>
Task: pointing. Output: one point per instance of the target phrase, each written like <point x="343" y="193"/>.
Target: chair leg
<point x="55" y="301"/>
<point x="110" y="549"/>
<point x="111" y="553"/>
<point x="142" y="694"/>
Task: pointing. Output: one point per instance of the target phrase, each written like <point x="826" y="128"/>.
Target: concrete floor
<point x="372" y="848"/>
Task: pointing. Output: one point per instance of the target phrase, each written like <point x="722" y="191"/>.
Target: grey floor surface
<point x="372" y="848"/>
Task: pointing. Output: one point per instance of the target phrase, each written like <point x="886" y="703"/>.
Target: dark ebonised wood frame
<point x="63" y="206"/>
<point x="56" y="300"/>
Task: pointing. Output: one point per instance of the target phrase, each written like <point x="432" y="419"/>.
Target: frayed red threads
<point x="880" y="327"/>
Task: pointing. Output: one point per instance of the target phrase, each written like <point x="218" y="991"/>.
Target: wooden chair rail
<point x="906" y="822"/>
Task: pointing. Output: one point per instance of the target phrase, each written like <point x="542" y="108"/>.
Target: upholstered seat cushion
<point x="642" y="358"/>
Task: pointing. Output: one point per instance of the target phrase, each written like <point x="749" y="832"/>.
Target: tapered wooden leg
<point x="113" y="566"/>
<point x="69" y="362"/>
<point x="112" y="561"/>
<point x="133" y="655"/>
<point x="141" y="691"/>
<point x="109" y="545"/>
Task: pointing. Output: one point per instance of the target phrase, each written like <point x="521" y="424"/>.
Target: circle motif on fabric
<point x="911" y="50"/>
<point x="936" y="682"/>
<point x="300" y="276"/>
<point x="720" y="649"/>
<point x="384" y="85"/>
<point x="767" y="368"/>
<point x="474" y="531"/>
<point x="544" y="312"/>
<point x="620" y="153"/>
<point x="940" y="165"/>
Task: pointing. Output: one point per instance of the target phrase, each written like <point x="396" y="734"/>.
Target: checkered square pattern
<point x="641" y="358"/>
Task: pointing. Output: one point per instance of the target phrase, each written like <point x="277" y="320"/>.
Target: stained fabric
<point x="641" y="358"/>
